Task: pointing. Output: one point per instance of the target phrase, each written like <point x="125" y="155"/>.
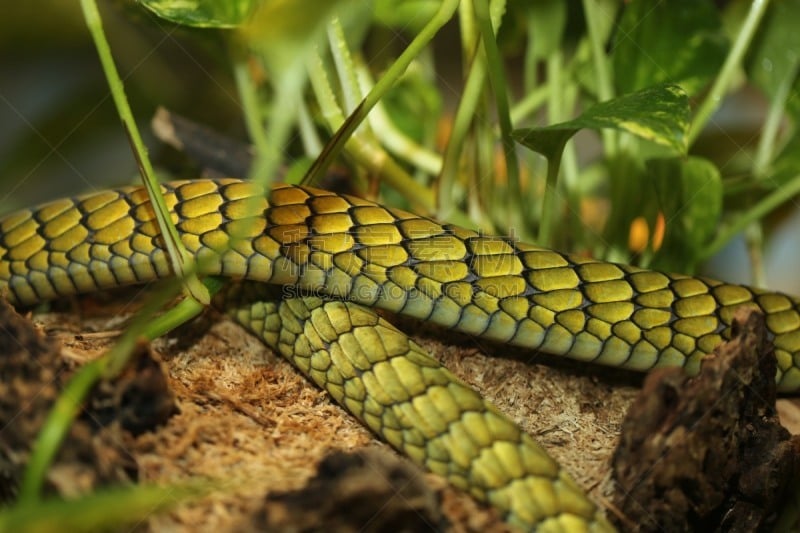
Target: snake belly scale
<point x="345" y="255"/>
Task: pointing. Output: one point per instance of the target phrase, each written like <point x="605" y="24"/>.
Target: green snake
<point x="325" y="260"/>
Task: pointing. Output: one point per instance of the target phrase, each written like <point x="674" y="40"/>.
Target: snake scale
<point x="334" y="257"/>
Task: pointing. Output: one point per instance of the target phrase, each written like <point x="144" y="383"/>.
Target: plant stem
<point x="312" y="145"/>
<point x="725" y="77"/>
<point x="395" y="140"/>
<point x="500" y="87"/>
<point x="345" y="68"/>
<point x="772" y="122"/>
<point x="362" y="150"/>
<point x="55" y="428"/>
<point x="180" y="259"/>
<point x="605" y="86"/>
<point x="530" y="103"/>
<point x="68" y="403"/>
<point x="251" y="109"/>
<point x="288" y="94"/>
<point x="464" y="116"/>
<point x="469" y="34"/>
<point x="442" y="16"/>
<point x="548" y="205"/>
<point x="758" y="211"/>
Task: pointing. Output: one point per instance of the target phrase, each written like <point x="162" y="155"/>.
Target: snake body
<point x="337" y="256"/>
<point x="404" y="395"/>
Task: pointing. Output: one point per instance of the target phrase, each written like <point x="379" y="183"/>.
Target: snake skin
<point x="319" y="243"/>
<point x="404" y="395"/>
<point x="349" y="248"/>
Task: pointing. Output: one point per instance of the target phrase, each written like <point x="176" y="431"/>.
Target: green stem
<point x="288" y="95"/>
<point x="758" y="211"/>
<point x="399" y="66"/>
<point x="395" y="140"/>
<point x="111" y="508"/>
<point x="465" y="112"/>
<point x="772" y="122"/>
<point x="312" y="144"/>
<point x="182" y="262"/>
<point x="559" y="104"/>
<point x="55" y="428"/>
<point x="605" y="86"/>
<point x="530" y="103"/>
<point x="498" y="81"/>
<point x="323" y="92"/>
<point x="530" y="75"/>
<point x="181" y="313"/>
<point x="726" y="73"/>
<point x="548" y="205"/>
<point x="345" y="68"/>
<point x="469" y="34"/>
<point x="464" y="120"/>
<point x="68" y="404"/>
<point x="363" y="151"/>
<point x="554" y="115"/>
<point x="248" y="95"/>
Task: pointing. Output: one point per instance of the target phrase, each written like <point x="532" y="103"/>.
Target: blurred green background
<point x="60" y="133"/>
<point x="59" y="130"/>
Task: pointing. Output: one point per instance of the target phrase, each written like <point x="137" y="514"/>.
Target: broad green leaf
<point x="775" y="52"/>
<point x="659" y="114"/>
<point x="680" y="41"/>
<point x="628" y="193"/>
<point x="785" y="167"/>
<point x="414" y="105"/>
<point x="202" y="13"/>
<point x="547" y="21"/>
<point x="689" y="194"/>
<point x="686" y="192"/>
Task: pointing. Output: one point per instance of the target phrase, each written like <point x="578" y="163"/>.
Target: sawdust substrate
<point x="252" y="423"/>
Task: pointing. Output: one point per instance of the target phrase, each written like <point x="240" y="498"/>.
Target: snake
<point x="315" y="266"/>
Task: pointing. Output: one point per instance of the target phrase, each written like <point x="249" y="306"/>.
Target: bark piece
<point x="707" y="452"/>
<point x="357" y="492"/>
<point x="95" y="451"/>
<point x="139" y="399"/>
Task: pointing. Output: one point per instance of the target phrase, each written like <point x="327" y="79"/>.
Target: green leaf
<point x="689" y="194"/>
<point x="202" y="13"/>
<point x="286" y="32"/>
<point x="606" y="13"/>
<point x="680" y="41"/>
<point x="405" y="14"/>
<point x="789" y="158"/>
<point x="686" y="192"/>
<point x="415" y="105"/>
<point x="775" y="51"/>
<point x="548" y="18"/>
<point x="629" y="197"/>
<point x="659" y="114"/>
<point x="106" y="510"/>
<point x="784" y="168"/>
